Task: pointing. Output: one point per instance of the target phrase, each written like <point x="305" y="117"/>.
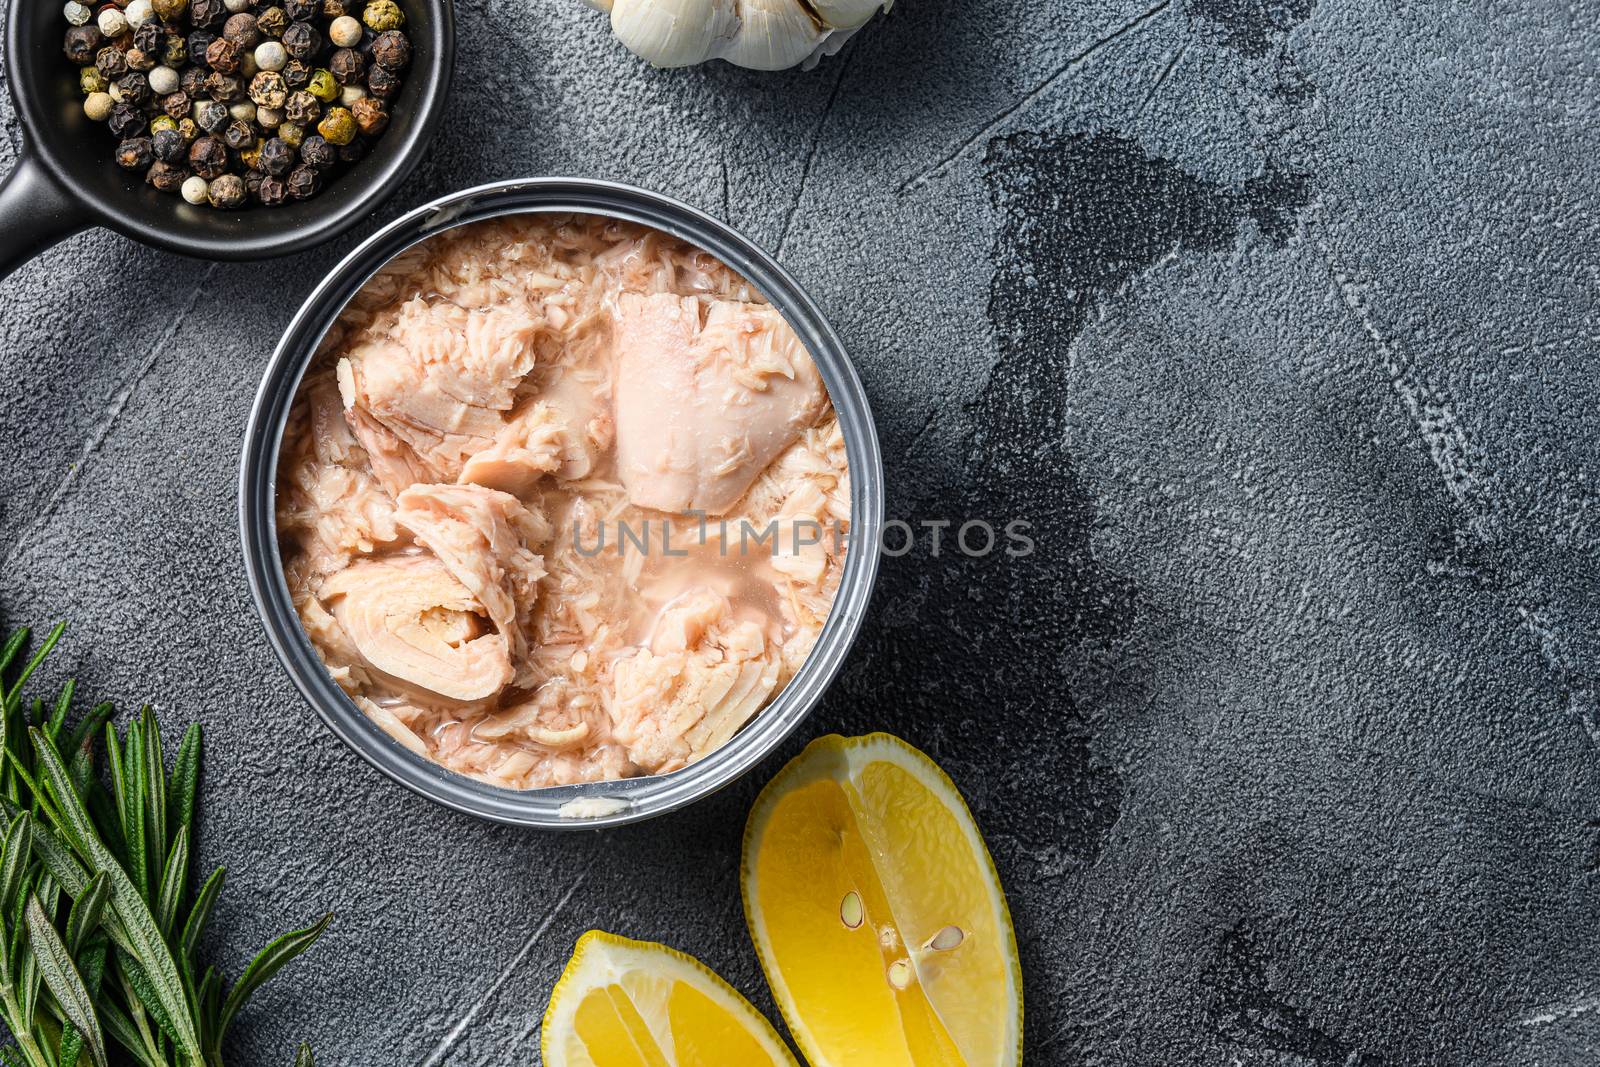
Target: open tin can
<point x="595" y="804"/>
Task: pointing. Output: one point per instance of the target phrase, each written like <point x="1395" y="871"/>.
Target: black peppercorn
<point x="227" y="192"/>
<point x="208" y="157"/>
<point x="204" y="14"/>
<point x="347" y="66"/>
<point x="354" y="152"/>
<point x="148" y="36"/>
<point x="370" y="115"/>
<point x="303" y="182"/>
<point x="81" y="43"/>
<point x="277" y="158"/>
<point x="134" y="87"/>
<point x="125" y="120"/>
<point x="239" y="135"/>
<point x="252" y="181"/>
<point x="192" y="81"/>
<point x="315" y="151"/>
<point x="176" y="104"/>
<point x="382" y="82"/>
<point x="297" y="75"/>
<point x="224" y="87"/>
<point x="302" y="107"/>
<point x="302" y="41"/>
<point x="222" y="55"/>
<point x="197" y="43"/>
<point x="272" y="22"/>
<point x="169" y="146"/>
<point x="112" y="63"/>
<point x="136" y="153"/>
<point x="166" y="177"/>
<point x="241" y="30"/>
<point x="174" y="51"/>
<point x="267" y="90"/>
<point x="272" y="191"/>
<point x="391" y="50"/>
<point x="301" y="10"/>
<point x="211" y="115"/>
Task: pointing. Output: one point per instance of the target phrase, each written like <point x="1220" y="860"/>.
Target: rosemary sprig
<point x="99" y="932"/>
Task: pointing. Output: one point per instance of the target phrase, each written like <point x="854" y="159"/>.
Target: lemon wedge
<point x="624" y="1003"/>
<point x="877" y="912"/>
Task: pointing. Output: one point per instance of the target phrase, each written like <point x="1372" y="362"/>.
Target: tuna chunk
<point x="704" y="674"/>
<point x="703" y="407"/>
<point x="415" y="625"/>
<point x="435" y="390"/>
<point x="482" y="537"/>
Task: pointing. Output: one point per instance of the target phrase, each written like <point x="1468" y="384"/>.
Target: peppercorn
<point x="135" y="153"/>
<point x="211" y="115"/>
<point x="197" y="43"/>
<point x="315" y="151"/>
<point x="239" y="135"/>
<point x="163" y="80"/>
<point x="267" y="89"/>
<point x="338" y="126"/>
<point x="380" y="15"/>
<point x="90" y="80"/>
<point x="269" y="55"/>
<point x="269" y="117"/>
<point x="98" y="106"/>
<point x="134" y="87"/>
<point x="303" y="182"/>
<point x="163" y="122"/>
<point x="251" y="157"/>
<point x="291" y="134"/>
<point x="77" y="14"/>
<point x="170" y="10"/>
<point x="224" y="87"/>
<point x="168" y="145"/>
<point x="222" y="55"/>
<point x="192" y="81"/>
<point x="236" y="6"/>
<point x="276" y="157"/>
<point x="252" y="181"/>
<point x="334" y="9"/>
<point x="302" y="41"/>
<point x="227" y="192"/>
<point x="189" y="129"/>
<point x="194" y="189"/>
<point x="296" y="75"/>
<point x="347" y="66"/>
<point x="350" y="94"/>
<point x="302" y="107"/>
<point x="125" y="120"/>
<point x="111" y="22"/>
<point x="208" y="157"/>
<point x="272" y="191"/>
<point x="345" y="32"/>
<point x="138" y="12"/>
<point x="166" y="177"/>
<point x="391" y="50"/>
<point x="204" y="14"/>
<point x="148" y="36"/>
<point x="241" y="30"/>
<point x="177" y="104"/>
<point x="353" y="152"/>
<point x="382" y="82"/>
<point x="370" y="115"/>
<point x="174" y="51"/>
<point x="272" y="22"/>
<point x="323" y="86"/>
<point x="112" y="63"/>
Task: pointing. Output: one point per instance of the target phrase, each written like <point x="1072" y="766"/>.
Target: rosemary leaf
<point x="194" y="926"/>
<point x="155" y="800"/>
<point x="185" y="780"/>
<point x="13" y="645"/>
<point x="266" y="964"/>
<point x="133" y="817"/>
<point x="63" y="705"/>
<point x="84" y="917"/>
<point x="92" y="965"/>
<point x="61" y="977"/>
<point x="173" y="881"/>
<point x="303" y="1058"/>
<point x="18" y="851"/>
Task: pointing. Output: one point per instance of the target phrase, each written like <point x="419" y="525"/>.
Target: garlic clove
<point x="773" y="35"/>
<point x="674" y="33"/>
<point x="848" y="14"/>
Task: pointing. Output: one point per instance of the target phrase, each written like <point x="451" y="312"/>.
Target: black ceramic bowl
<point x="65" y="179"/>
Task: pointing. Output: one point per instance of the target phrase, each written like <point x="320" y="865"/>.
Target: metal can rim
<point x="607" y="803"/>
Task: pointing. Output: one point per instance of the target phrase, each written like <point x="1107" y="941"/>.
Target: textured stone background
<point x="1277" y="319"/>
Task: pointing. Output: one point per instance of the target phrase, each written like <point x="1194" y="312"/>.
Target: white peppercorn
<point x="236" y="6"/>
<point x="194" y="189"/>
<point x="112" y="22"/>
<point x="345" y="32"/>
<point x="77" y="14"/>
<point x="244" y="111"/>
<point x="269" y="55"/>
<point x="350" y="94"/>
<point x="98" y="106"/>
<point x="138" y="12"/>
<point x="269" y="118"/>
<point x="163" y="80"/>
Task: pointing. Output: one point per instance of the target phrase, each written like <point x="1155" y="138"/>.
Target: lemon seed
<point x="947" y="939"/>
<point x="850" y="911"/>
<point x="901" y="975"/>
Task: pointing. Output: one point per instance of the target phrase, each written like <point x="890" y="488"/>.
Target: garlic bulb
<point x="760" y="34"/>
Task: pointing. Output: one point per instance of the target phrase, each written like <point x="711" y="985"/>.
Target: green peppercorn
<point x="227" y="192"/>
<point x="380" y="15"/>
<point x="267" y="89"/>
<point x="208" y="157"/>
<point x="391" y="49"/>
<point x="222" y="55"/>
<point x="189" y="129"/>
<point x="170" y="10"/>
<point x="272" y="191"/>
<point x="136" y="153"/>
<point x="272" y="22"/>
<point x="276" y="157"/>
<point x="125" y="121"/>
<point x="323" y="86"/>
<point x="302" y="107"/>
<point x="81" y="44"/>
<point x="174" y="51"/>
<point x="370" y="115"/>
<point x="315" y="151"/>
<point x="382" y="82"/>
<point x="90" y="80"/>
<point x="239" y="135"/>
<point x="347" y="66"/>
<point x="303" y="182"/>
<point x="166" y="177"/>
<point x="291" y="133"/>
<point x="163" y="122"/>
<point x="169" y="145"/>
<point x="338" y="126"/>
<point x="112" y="63"/>
<point x="302" y="41"/>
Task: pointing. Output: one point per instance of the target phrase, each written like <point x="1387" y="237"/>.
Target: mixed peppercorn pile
<point x="230" y="101"/>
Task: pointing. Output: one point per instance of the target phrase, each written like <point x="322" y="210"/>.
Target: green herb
<point x="99" y="933"/>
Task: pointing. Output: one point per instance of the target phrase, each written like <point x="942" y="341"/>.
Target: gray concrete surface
<point x="1277" y="318"/>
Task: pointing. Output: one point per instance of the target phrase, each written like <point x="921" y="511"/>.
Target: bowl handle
<point x="35" y="213"/>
